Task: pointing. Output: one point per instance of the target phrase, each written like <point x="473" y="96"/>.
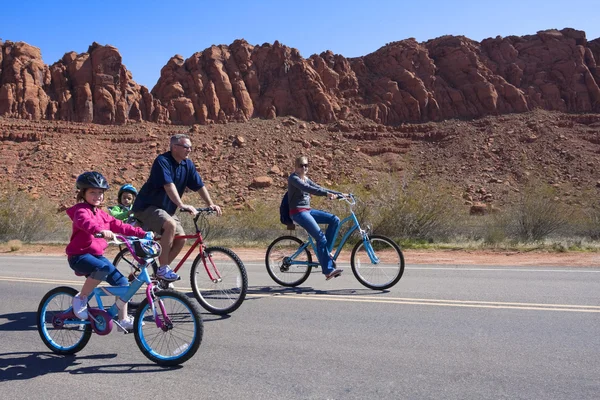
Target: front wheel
<point x="60" y="330"/>
<point x="219" y="281"/>
<point x="180" y="332"/>
<point x="377" y="263"/>
<point x="283" y="267"/>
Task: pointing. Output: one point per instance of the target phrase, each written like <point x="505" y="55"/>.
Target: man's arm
<point x="206" y="197"/>
<point x="171" y="191"/>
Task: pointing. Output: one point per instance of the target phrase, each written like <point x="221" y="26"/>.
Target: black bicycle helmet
<point x="127" y="188"/>
<point x="91" y="179"/>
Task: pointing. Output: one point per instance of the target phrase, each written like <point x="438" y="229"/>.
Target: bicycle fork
<point x="369" y="247"/>
<point x="165" y="323"/>
<point x="216" y="277"/>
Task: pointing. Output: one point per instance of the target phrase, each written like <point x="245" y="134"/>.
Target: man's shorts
<point x="153" y="219"/>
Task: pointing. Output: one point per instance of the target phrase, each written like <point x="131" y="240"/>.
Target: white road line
<point x="462" y="267"/>
<point x="450" y="303"/>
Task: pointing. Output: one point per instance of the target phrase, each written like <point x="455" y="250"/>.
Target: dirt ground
<point x="448" y="257"/>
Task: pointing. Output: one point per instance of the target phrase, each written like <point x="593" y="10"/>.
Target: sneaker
<point x="333" y="274"/>
<point x="127" y="323"/>
<point x="166" y="273"/>
<point x="80" y="306"/>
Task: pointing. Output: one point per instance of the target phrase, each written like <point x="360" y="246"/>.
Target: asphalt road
<point x="443" y="332"/>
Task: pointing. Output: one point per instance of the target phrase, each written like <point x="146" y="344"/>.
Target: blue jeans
<point x="310" y="221"/>
<point x="99" y="268"/>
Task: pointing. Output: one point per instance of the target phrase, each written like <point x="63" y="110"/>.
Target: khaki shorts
<point x="153" y="219"/>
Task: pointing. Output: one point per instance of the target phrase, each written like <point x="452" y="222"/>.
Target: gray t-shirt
<point x="299" y="191"/>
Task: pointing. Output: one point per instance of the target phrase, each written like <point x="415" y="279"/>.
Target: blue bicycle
<point x="377" y="261"/>
<point x="168" y="326"/>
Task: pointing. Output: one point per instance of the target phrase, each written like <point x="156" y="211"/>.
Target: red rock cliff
<point x="405" y="81"/>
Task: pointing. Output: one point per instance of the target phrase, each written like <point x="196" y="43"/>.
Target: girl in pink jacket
<point x="85" y="251"/>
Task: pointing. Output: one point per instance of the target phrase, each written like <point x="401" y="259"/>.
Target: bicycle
<point x="376" y="261"/>
<point x="167" y="326"/>
<point x="221" y="287"/>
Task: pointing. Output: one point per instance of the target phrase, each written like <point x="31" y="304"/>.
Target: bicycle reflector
<point x="146" y="248"/>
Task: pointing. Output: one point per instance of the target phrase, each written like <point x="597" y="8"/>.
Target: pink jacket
<point x="87" y="222"/>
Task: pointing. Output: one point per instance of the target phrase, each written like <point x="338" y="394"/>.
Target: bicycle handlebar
<point x="205" y="210"/>
<point x="349" y="199"/>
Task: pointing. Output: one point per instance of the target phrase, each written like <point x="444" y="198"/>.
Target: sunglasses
<point x="185" y="146"/>
<point x="303" y="166"/>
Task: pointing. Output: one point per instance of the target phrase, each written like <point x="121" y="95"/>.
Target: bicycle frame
<point x="125" y="293"/>
<point x="355" y="226"/>
<point x="213" y="272"/>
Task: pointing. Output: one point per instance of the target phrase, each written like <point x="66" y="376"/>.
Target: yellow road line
<point x="373" y="299"/>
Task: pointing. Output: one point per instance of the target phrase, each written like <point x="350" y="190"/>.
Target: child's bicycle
<point x="168" y="326"/>
<point x="217" y="275"/>
<point x="377" y="261"/>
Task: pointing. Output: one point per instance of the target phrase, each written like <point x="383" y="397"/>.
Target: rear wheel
<point x="387" y="267"/>
<point x="66" y="334"/>
<point x="179" y="335"/>
<point x="224" y="290"/>
<point x="280" y="265"/>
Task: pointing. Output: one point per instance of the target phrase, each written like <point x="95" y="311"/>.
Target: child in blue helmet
<point x="125" y="197"/>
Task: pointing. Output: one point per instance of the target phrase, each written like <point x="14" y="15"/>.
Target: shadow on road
<point x="21" y="321"/>
<point x="25" y="365"/>
<point x="269" y="290"/>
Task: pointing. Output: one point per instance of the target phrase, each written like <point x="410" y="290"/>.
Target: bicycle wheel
<point x="124" y="259"/>
<point x="178" y="339"/>
<point x="386" y="272"/>
<point x="279" y="264"/>
<point x="226" y="291"/>
<point x="61" y="336"/>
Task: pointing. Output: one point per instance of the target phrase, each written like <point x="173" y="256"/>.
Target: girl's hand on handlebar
<point x="108" y="235"/>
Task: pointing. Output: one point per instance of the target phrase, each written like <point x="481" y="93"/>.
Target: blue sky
<point x="148" y="33"/>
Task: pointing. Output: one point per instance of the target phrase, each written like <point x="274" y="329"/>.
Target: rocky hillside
<point x="405" y="81"/>
<point x="484" y="160"/>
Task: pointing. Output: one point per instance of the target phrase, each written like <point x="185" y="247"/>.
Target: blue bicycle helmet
<point x="91" y="179"/>
<point x="127" y="188"/>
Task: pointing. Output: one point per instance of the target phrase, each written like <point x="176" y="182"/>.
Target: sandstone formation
<point x="406" y="81"/>
<point x="89" y="87"/>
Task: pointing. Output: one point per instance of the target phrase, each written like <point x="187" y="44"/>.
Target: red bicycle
<point x="217" y="275"/>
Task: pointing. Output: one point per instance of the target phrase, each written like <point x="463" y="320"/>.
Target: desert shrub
<point x="538" y="214"/>
<point x="257" y="222"/>
<point x="588" y="222"/>
<point x="27" y="219"/>
<point x="417" y="210"/>
<point x="495" y="229"/>
<point x="15" y="245"/>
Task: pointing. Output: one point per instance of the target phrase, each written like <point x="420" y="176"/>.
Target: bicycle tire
<point x="379" y="276"/>
<point x="172" y="345"/>
<point x="124" y="257"/>
<point x="227" y="294"/>
<point x="281" y="271"/>
<point x="65" y="340"/>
